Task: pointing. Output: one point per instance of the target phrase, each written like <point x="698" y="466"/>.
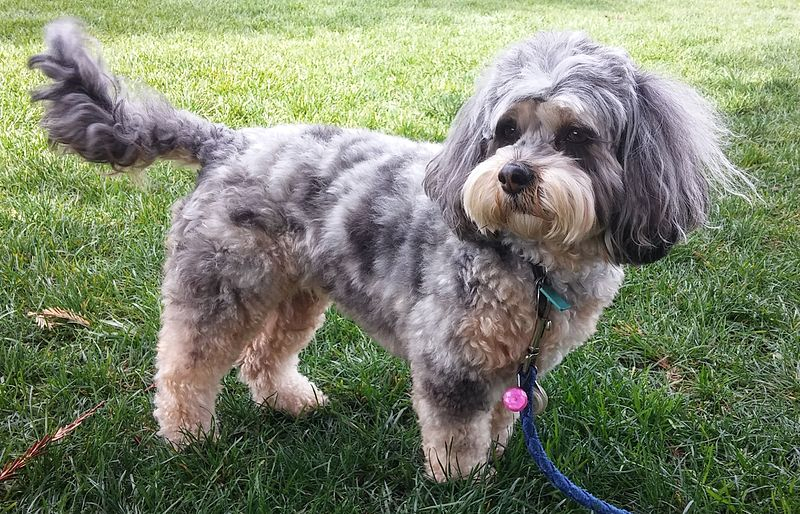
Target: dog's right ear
<point x="447" y="172"/>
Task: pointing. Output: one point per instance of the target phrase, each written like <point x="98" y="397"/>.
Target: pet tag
<point x="558" y="301"/>
<point x="515" y="399"/>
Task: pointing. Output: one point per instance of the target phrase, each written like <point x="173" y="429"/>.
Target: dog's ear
<point x="669" y="153"/>
<point x="447" y="172"/>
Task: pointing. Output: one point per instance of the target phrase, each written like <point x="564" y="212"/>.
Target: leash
<point x="528" y="387"/>
<point x="556" y="477"/>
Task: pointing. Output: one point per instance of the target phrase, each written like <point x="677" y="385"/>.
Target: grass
<point x="687" y="399"/>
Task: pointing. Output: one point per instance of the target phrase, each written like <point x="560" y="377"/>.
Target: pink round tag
<point x="515" y="399"/>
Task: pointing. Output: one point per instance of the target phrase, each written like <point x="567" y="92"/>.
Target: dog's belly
<point x="377" y="327"/>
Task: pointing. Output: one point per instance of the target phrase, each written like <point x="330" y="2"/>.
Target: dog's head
<point x="567" y="141"/>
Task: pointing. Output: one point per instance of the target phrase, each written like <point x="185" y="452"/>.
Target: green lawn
<point x="688" y="398"/>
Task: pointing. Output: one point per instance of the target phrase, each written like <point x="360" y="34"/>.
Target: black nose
<point x="514" y="177"/>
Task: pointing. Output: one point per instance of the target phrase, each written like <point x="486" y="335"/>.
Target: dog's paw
<point x="181" y="433"/>
<point x="181" y="419"/>
<point x="480" y="473"/>
<point x="296" y="396"/>
<point x="442" y="464"/>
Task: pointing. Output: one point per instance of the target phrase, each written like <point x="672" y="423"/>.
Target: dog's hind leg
<point x="220" y="282"/>
<point x="191" y="360"/>
<point x="268" y="364"/>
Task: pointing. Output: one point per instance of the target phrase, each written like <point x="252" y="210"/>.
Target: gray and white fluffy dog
<point x="568" y="157"/>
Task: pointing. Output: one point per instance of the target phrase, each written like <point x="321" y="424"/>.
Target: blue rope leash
<point x="552" y="473"/>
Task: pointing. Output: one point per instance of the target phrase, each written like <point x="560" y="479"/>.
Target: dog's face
<point x="535" y="181"/>
<point x="567" y="142"/>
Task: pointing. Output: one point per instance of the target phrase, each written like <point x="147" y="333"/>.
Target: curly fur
<point x="419" y="243"/>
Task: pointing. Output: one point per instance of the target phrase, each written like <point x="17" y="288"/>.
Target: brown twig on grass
<point x="11" y="468"/>
<point x="47" y="318"/>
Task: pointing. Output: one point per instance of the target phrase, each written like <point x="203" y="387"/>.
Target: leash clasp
<point x="538" y="395"/>
<point x="539" y="398"/>
<point x="542" y="323"/>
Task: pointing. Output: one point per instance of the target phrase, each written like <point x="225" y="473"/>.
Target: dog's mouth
<point x="527" y="202"/>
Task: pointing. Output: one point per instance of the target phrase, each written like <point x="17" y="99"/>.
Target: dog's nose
<point x="514" y="177"/>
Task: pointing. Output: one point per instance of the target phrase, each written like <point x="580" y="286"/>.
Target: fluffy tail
<point x="88" y="111"/>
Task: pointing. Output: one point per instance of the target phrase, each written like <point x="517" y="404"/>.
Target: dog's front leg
<point x="455" y="419"/>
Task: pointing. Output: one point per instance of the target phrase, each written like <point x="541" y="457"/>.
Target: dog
<point x="567" y="161"/>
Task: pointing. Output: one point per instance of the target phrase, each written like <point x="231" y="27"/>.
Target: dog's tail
<point x="88" y="111"/>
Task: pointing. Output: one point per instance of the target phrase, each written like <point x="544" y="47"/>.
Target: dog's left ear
<point x="447" y="172"/>
<point x="669" y="153"/>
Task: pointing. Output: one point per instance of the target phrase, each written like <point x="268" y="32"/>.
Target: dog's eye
<point x="507" y="132"/>
<point x="572" y="139"/>
<point x="577" y="136"/>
